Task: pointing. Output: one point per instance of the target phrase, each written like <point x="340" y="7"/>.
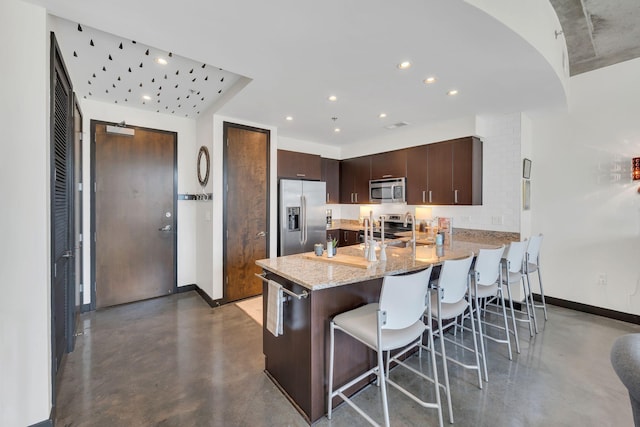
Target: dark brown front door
<point x="246" y="209"/>
<point x="135" y="239"/>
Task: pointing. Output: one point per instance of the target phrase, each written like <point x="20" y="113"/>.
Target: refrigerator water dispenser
<point x="293" y="218"/>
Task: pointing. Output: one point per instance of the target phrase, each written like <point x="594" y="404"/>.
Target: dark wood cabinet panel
<point x="344" y="237"/>
<point x="417" y="177"/>
<point x="391" y="164"/>
<point x="439" y="173"/>
<point x="354" y="180"/>
<point x="292" y="164"/>
<point x="445" y="173"/>
<point x="442" y="173"/>
<point x="455" y="172"/>
<point x="331" y="175"/>
<point x="467" y="171"/>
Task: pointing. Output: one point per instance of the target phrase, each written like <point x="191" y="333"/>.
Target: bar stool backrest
<point x="533" y="249"/>
<point x="487" y="267"/>
<point x="515" y="255"/>
<point x="404" y="298"/>
<point x="453" y="281"/>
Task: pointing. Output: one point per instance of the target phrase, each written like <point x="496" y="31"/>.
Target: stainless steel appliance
<point x="394" y="223"/>
<point x="390" y="190"/>
<point x="302" y="216"/>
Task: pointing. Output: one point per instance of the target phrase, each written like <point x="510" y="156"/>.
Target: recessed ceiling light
<point x="161" y="61"/>
<point x="429" y="80"/>
<point x="336" y="130"/>
<point x="289" y="118"/>
<point x="382" y="115"/>
<point x="333" y="98"/>
<point x="404" y="65"/>
<point x="146" y="97"/>
<point x="452" y="92"/>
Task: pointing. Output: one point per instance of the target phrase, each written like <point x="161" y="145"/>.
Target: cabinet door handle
<point x="424" y="196"/>
<point x="351" y="197"/>
<point x="387" y="176"/>
<point x="455" y="196"/>
<point x="345" y="236"/>
<point x="356" y="197"/>
<point x="301" y="174"/>
<point x="430" y="197"/>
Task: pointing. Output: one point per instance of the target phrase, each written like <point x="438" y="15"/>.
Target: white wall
<point x="583" y="199"/>
<point x="25" y="306"/>
<point x="204" y="209"/>
<point x="187" y="178"/>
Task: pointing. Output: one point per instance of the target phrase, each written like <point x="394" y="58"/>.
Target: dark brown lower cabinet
<point x="298" y="359"/>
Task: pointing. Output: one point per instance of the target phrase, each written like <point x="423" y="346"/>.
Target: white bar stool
<point x="512" y="274"/>
<point x="487" y="290"/>
<point x="393" y="323"/>
<point x="532" y="265"/>
<point x="448" y="302"/>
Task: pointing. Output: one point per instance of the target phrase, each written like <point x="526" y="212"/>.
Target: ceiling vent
<point x="397" y="125"/>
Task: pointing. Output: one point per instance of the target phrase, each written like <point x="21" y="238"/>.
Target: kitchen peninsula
<point x="297" y="360"/>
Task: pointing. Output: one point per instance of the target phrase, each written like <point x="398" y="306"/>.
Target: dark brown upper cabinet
<point x="391" y="164"/>
<point x="331" y="175"/>
<point x="445" y="173"/>
<point x="417" y="176"/>
<point x="354" y="180"/>
<point x="467" y="171"/>
<point x="294" y="165"/>
<point x="454" y="170"/>
<point x="439" y="173"/>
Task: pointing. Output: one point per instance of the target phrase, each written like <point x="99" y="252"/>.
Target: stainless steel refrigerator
<point x="301" y="216"/>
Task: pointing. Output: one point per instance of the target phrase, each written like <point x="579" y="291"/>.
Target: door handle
<point x="165" y="228"/>
<point x="67" y="254"/>
<point x="261" y="234"/>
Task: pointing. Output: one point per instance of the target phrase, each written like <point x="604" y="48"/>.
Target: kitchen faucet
<point x="366" y="225"/>
<point x="408" y="216"/>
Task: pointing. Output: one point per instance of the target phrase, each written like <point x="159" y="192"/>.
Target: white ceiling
<point x="297" y="53"/>
<point x="108" y="68"/>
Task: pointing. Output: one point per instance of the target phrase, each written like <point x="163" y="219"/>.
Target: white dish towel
<point x="274" y="308"/>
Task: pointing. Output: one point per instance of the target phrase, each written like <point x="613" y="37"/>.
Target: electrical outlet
<point x="602" y="279"/>
<point x="465" y="219"/>
<point x="497" y="220"/>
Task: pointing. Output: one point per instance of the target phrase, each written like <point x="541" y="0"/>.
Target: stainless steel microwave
<point x="390" y="190"/>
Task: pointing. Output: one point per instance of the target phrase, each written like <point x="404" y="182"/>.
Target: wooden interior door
<point x="246" y="208"/>
<point x="135" y="193"/>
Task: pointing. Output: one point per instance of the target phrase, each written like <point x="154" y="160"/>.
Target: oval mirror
<point x="204" y="164"/>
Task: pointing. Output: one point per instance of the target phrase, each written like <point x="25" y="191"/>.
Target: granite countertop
<point x="317" y="274"/>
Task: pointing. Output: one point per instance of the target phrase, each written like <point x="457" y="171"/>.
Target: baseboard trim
<point x="186" y="288"/>
<point x="591" y="309"/>
<point x="193" y="287"/>
<point x="49" y="422"/>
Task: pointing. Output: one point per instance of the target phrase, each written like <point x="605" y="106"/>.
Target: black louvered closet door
<point x="62" y="213"/>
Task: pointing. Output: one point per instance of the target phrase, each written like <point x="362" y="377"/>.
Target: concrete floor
<point x="174" y="361"/>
